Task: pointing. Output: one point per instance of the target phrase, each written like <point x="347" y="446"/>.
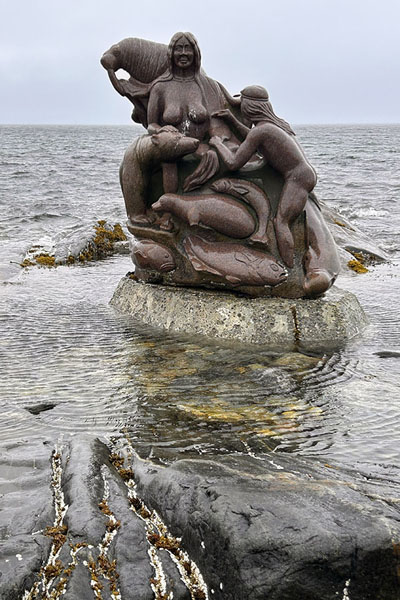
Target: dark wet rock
<point x="350" y="239"/>
<point x="172" y="576"/>
<point x="387" y="354"/>
<point x="83" y="489"/>
<point x="131" y="546"/>
<point x="18" y="574"/>
<point x="26" y="508"/>
<point x="79" y="583"/>
<point x="280" y="527"/>
<point x="274" y="526"/>
<point x="38" y="408"/>
<point x="70" y="521"/>
<point x="84" y="243"/>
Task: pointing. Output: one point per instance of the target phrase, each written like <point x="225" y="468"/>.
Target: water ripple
<point x="64" y="348"/>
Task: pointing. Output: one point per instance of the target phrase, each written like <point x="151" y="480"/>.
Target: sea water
<point x="71" y="364"/>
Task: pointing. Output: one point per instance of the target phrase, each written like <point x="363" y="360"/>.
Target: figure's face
<point x="183" y="53"/>
<point x="245" y="115"/>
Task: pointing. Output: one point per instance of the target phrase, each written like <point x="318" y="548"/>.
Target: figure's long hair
<point x="170" y="72"/>
<point x="206" y="85"/>
<point x="261" y="110"/>
<point x="210" y="90"/>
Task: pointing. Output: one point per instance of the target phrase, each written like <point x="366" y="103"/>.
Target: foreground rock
<point x="280" y="527"/>
<point x="99" y="522"/>
<point x="279" y="323"/>
<point x="80" y="532"/>
<point x="24" y="466"/>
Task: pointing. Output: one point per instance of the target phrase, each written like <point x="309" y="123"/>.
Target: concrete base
<point x="279" y="323"/>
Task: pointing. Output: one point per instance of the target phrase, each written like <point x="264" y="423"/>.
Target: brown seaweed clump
<point x="52" y="571"/>
<point x="164" y="542"/>
<point x="58" y="534"/>
<point x="117" y="460"/>
<point x="27" y="263"/>
<point x="358" y="263"/>
<point x="105" y="238"/>
<point x="357" y="266"/>
<point x="101" y="245"/>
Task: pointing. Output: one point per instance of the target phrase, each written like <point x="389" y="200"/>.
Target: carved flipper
<point x="197" y="263"/>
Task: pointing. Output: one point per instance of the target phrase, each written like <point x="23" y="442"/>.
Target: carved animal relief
<point x="210" y="201"/>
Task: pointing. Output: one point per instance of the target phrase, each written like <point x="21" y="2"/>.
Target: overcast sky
<point x="322" y="61"/>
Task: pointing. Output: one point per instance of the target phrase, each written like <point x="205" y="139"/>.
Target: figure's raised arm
<point x="238" y="159"/>
<point x="240" y="129"/>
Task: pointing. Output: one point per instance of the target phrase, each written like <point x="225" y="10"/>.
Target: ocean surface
<point x="71" y="364"/>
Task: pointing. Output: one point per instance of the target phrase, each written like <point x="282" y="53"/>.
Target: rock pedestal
<point x="279" y="323"/>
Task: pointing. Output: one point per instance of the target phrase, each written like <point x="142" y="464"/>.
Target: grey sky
<point x="323" y="61"/>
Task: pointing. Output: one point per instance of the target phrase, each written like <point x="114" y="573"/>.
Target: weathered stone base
<point x="279" y="323"/>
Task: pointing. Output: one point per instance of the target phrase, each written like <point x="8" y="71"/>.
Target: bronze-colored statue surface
<point x="218" y="192"/>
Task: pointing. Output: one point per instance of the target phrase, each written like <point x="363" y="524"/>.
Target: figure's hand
<point x="215" y="141"/>
<point x="168" y="129"/>
<point x="223" y="114"/>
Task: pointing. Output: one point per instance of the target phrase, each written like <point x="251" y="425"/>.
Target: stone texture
<point x="26" y="507"/>
<point x="279" y="323"/>
<point x="274" y="526"/>
<point x="280" y="527"/>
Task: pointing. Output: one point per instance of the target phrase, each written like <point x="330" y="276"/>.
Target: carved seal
<point x="221" y="213"/>
<point x="252" y="195"/>
<point x="321" y="260"/>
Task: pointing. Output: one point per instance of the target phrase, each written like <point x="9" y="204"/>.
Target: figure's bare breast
<point x="182" y="105"/>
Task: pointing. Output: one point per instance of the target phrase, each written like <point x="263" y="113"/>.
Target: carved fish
<point x="233" y="262"/>
<point x="252" y="195"/>
<point x="147" y="254"/>
<point x="221" y="213"/>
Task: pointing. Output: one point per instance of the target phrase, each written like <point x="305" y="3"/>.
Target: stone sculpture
<point x="273" y="138"/>
<point x="218" y="193"/>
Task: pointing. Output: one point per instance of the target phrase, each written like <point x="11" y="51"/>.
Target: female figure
<point x="274" y="139"/>
<point x="184" y="98"/>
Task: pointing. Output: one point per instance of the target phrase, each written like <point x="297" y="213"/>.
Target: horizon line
<point x="138" y="124"/>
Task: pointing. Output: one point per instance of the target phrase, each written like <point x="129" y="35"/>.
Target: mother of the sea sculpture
<point x="218" y="193"/>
